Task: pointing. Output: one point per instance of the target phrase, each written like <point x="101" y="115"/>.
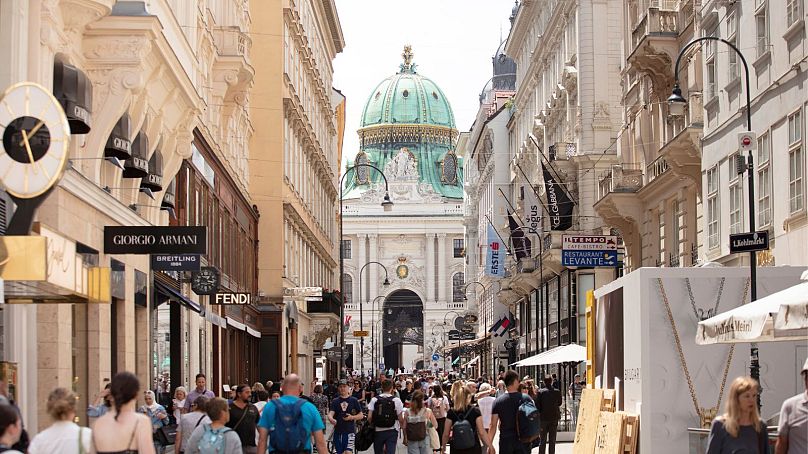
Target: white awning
<point x="253" y="332"/>
<point x="473" y="361"/>
<point x="571" y="353"/>
<point x="235" y="324"/>
<point x="781" y="316"/>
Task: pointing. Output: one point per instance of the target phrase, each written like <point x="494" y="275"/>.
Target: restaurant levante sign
<point x="155" y="240"/>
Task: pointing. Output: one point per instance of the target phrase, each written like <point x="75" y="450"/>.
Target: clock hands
<point x="28" y="148"/>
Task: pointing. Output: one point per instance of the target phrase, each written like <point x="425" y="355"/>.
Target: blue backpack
<point x="288" y="434"/>
<point x="527" y="420"/>
<point x="212" y="441"/>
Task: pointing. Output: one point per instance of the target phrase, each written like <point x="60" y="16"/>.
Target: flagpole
<point x="549" y="164"/>
<point x="500" y="236"/>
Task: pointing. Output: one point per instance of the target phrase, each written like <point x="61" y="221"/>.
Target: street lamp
<point x="387" y="204"/>
<point x="446" y="324"/>
<point x="373" y="323"/>
<point x="386" y="283"/>
<point x="443" y="338"/>
<point x="676" y="106"/>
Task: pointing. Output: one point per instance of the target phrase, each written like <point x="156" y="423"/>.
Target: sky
<point x="453" y="42"/>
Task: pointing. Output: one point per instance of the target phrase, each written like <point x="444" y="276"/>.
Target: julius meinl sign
<point x="155" y="240"/>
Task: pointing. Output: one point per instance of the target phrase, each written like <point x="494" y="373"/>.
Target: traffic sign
<point x="747" y="141"/>
<point x="589" y="242"/>
<point x="361" y="334"/>
<point x="589" y="258"/>
<point x="435" y="357"/>
<point x="748" y="242"/>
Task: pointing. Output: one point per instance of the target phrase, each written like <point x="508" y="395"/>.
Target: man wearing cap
<point x="345" y="410"/>
<point x="792" y="432"/>
<point x="574" y="393"/>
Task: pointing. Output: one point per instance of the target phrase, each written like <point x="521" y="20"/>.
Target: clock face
<point x="35" y="136"/>
<point x="205" y="281"/>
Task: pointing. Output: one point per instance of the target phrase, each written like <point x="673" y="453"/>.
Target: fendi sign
<point x="155" y="240"/>
<point x="231" y="298"/>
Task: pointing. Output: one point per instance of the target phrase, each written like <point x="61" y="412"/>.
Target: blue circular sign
<point x="435" y="357"/>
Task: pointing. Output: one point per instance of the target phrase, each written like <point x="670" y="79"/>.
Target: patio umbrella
<point x="781" y="316"/>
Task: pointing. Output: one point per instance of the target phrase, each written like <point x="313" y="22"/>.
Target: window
<point x="458" y="284"/>
<point x="459" y="249"/>
<point x="678" y="216"/>
<point x="735" y="195"/>
<point x="732" y="36"/>
<point x="795" y="163"/>
<point x="764" y="180"/>
<point x="347" y="288"/>
<point x="762" y="29"/>
<point x="709" y="83"/>
<point x="346" y="249"/>
<point x="661" y="224"/>
<point x="793" y="11"/>
<point x="712" y="208"/>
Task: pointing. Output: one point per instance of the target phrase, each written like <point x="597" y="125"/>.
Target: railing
<point x="656" y="169"/>
<point x="694" y="255"/>
<point x="231" y="41"/>
<point x="620" y="178"/>
<point x="674" y="261"/>
<point x="323" y="307"/>
<point x="457" y="305"/>
<point x="655" y="21"/>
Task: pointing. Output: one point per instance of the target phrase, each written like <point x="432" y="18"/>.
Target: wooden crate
<point x="588" y="416"/>
<point x="631" y="434"/>
<point x="608" y="400"/>
<point x="617" y="433"/>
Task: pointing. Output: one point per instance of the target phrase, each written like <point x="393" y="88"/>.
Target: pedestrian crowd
<point x="426" y="415"/>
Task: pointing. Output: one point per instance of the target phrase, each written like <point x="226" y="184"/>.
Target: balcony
<point x="323" y="307"/>
<point x="621" y="178"/>
<point x="233" y="58"/>
<point x="654" y="46"/>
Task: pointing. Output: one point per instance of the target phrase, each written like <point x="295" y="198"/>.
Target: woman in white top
<point x="486" y="403"/>
<point x="63" y="436"/>
<point x="179" y="402"/>
<point x="190" y="421"/>
<point x="416" y="418"/>
<point x="122" y="430"/>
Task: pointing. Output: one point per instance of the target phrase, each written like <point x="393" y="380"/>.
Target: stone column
<point x="361" y="259"/>
<point x="442" y="275"/>
<point x="374" y="269"/>
<point x="429" y="266"/>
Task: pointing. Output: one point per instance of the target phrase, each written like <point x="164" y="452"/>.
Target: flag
<point x="495" y="259"/>
<point x="496" y="326"/>
<point x="507" y="323"/>
<point x="531" y="210"/>
<point x="559" y="203"/>
<point x="521" y="245"/>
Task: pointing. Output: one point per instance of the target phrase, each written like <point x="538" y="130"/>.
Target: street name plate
<point x="589" y="242"/>
<point x="361" y="334"/>
<point x="748" y="242"/>
<point x="589" y="258"/>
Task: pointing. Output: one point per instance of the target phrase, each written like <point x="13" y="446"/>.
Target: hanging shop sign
<point x="459" y="335"/>
<point x="748" y="242"/>
<point x="175" y="262"/>
<point x="155" y="240"/>
<point x="22" y="258"/>
<point x="589" y="242"/>
<point x="238" y="299"/>
<point x="589" y="259"/>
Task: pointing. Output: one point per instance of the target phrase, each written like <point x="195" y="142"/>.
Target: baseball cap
<point x="343" y="382"/>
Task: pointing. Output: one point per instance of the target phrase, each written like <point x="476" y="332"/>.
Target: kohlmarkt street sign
<point x="748" y="242"/>
<point x="175" y="262"/>
<point x="155" y="240"/>
<point x="589" y="258"/>
<point x="361" y="334"/>
<point x="589" y="242"/>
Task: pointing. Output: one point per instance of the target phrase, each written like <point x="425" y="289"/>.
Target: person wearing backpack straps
<point x="504" y="417"/>
<point x="465" y="424"/>
<point x="439" y="404"/>
<point x="288" y="423"/>
<point x="215" y="437"/>
<point x="244" y="418"/>
<point x="417" y="418"/>
<point x="384" y="411"/>
<point x="189" y="422"/>
<point x="63" y="436"/>
<point x="549" y="401"/>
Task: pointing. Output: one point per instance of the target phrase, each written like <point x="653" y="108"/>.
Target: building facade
<point x="157" y="100"/>
<point x="564" y="124"/>
<point x="294" y="165"/>
<point x="408" y="133"/>
<point x="775" y="51"/>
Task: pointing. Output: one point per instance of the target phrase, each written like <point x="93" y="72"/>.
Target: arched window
<point x="361" y="171"/>
<point x="458" y="281"/>
<point x="347" y="288"/>
<point x="448" y="168"/>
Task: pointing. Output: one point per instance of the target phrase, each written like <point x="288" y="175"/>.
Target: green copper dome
<point x="409" y="98"/>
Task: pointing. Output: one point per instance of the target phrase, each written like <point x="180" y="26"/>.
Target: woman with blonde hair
<point x="63" y="436"/>
<point x="739" y="430"/>
<point x="463" y="410"/>
<point x="178" y="403"/>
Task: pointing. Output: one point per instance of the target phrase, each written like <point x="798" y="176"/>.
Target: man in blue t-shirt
<point x="311" y="422"/>
<point x="343" y="413"/>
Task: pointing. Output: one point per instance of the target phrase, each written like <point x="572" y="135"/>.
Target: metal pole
<point x="754" y="363"/>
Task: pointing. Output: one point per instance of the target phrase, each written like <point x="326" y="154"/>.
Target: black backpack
<point x="463" y="434"/>
<point x="384" y="412"/>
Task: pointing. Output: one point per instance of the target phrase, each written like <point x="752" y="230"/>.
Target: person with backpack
<point x="416" y="421"/>
<point x="189" y="422"/>
<point x="549" y="401"/>
<point x="215" y="437"/>
<point x="243" y="418"/>
<point x="464" y="423"/>
<point x="343" y="413"/>
<point x="289" y="422"/>
<point x="439" y="404"/>
<point x="384" y="412"/>
<point x="515" y="415"/>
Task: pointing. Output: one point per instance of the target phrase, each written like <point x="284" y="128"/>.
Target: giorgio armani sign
<point x="155" y="240"/>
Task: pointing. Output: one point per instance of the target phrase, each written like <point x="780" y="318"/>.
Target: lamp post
<point x="446" y="324"/>
<point x="387" y="204"/>
<point x="443" y="338"/>
<point x="676" y="107"/>
<point x="386" y="283"/>
<point x="373" y="322"/>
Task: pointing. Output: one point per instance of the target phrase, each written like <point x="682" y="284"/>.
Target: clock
<point x="35" y="136"/>
<point x="205" y="281"/>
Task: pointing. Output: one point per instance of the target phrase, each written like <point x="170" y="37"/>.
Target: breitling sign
<point x="155" y="240"/>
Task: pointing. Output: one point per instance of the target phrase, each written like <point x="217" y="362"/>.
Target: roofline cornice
<point x="520" y="27"/>
<point x="334" y="25"/>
